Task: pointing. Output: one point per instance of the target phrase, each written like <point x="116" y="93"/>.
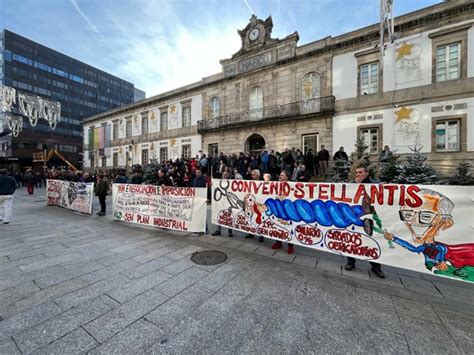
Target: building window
<point x="370" y="135"/>
<point x="448" y="63"/>
<point x="163" y="154"/>
<point x="186" y="151"/>
<point x="186" y="113"/>
<point x="369" y="78"/>
<point x="164" y="121"/>
<point x="144" y="125"/>
<point x="447" y="136"/>
<point x="115" y="131"/>
<point x="214" y="107"/>
<point x="310" y="142"/>
<point x="115" y="160"/>
<point x="104" y="162"/>
<point x="213" y="149"/>
<point x="128" y="128"/>
<point x="256" y="103"/>
<point x="310" y="87"/>
<point x="144" y="156"/>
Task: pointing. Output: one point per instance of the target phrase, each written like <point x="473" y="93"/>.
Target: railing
<point x="322" y="105"/>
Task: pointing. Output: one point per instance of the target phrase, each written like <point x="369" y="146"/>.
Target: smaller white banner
<point x="178" y="208"/>
<point x="76" y="196"/>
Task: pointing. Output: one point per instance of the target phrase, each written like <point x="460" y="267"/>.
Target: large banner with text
<point x="423" y="228"/>
<point x="179" y="208"/>
<point x="75" y="196"/>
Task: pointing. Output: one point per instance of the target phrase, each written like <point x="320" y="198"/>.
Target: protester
<point x="255" y="175"/>
<point x="362" y="177"/>
<point x="323" y="158"/>
<point x="284" y="176"/>
<point x="7" y="189"/>
<point x="101" y="190"/>
<point x="30" y="181"/>
<point x="225" y="175"/>
<point x="385" y="154"/>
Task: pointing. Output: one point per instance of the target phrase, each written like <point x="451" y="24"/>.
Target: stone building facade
<point x="420" y="92"/>
<point x="273" y="94"/>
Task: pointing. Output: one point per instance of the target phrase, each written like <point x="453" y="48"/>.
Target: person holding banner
<point x="284" y="176"/>
<point x="225" y="176"/>
<point x="100" y="191"/>
<point x="7" y="189"/>
<point x="255" y="175"/>
<point x="362" y="177"/>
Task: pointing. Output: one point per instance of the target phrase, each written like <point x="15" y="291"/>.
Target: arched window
<point x="310" y="87"/>
<point x="256" y="102"/>
<point x="310" y="93"/>
<point x="214" y="107"/>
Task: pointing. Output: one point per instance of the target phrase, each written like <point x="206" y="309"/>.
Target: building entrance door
<point x="255" y="144"/>
<point x="310" y="141"/>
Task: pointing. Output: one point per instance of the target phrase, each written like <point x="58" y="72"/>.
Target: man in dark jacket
<point x="323" y="158"/>
<point x="7" y="189"/>
<point x="362" y="177"/>
<point x="200" y="179"/>
<point x="101" y="189"/>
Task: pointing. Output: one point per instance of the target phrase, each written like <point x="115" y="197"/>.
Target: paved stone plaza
<point x="71" y="283"/>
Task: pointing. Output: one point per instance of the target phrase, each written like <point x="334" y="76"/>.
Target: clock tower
<point x="259" y="49"/>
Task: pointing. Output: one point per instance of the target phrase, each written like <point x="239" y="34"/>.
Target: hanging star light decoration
<point x="403" y="114"/>
<point x="403" y="50"/>
<point x="173" y="108"/>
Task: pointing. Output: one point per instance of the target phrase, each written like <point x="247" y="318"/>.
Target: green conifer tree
<point x="463" y="175"/>
<point x="416" y="170"/>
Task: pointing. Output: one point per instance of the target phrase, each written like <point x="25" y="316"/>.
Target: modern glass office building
<point x="81" y="89"/>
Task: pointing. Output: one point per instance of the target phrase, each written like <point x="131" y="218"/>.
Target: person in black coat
<point x="7" y="189"/>
<point x="100" y="190"/>
<point x="362" y="177"/>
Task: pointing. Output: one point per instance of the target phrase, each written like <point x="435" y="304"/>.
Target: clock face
<point x="254" y="33"/>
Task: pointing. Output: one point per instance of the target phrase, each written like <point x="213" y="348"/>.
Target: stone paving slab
<point x="84" y="284"/>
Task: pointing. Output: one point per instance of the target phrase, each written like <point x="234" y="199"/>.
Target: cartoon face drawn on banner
<point x="425" y="224"/>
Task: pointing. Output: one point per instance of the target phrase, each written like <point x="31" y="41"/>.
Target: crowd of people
<point x="289" y="165"/>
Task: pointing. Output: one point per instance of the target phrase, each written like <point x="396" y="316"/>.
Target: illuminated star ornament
<point x="403" y="114"/>
<point x="405" y="49"/>
<point x="173" y="108"/>
<point x="173" y="142"/>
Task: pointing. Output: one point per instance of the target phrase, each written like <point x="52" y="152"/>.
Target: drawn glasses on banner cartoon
<point x="221" y="191"/>
<point x="424" y="217"/>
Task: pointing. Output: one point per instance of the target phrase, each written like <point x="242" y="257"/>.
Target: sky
<point x="160" y="45"/>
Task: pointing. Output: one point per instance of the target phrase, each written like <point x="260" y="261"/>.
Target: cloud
<point x="161" y="55"/>
<point x="89" y="22"/>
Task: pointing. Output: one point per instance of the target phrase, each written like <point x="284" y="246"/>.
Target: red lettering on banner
<point x="376" y="193"/>
<point x="414" y="200"/>
<point x="121" y="188"/>
<point x="169" y="223"/>
<point x="225" y="218"/>
<point x="323" y="192"/>
<point x="359" y="194"/>
<point x="350" y="243"/>
<point x="128" y="217"/>
<point x="311" y="188"/>
<point x="391" y="192"/>
<point x="308" y="234"/>
<point x="401" y="200"/>
<point x="299" y="190"/>
<point x="143" y="219"/>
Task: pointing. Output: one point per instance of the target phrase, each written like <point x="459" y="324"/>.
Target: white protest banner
<point x="422" y="228"/>
<point x="179" y="208"/>
<point x="75" y="196"/>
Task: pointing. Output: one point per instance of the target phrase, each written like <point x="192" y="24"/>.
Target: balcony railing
<point x="318" y="106"/>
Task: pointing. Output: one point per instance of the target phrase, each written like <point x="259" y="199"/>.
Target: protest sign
<point x="75" y="196"/>
<point x="179" y="208"/>
<point x="422" y="228"/>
